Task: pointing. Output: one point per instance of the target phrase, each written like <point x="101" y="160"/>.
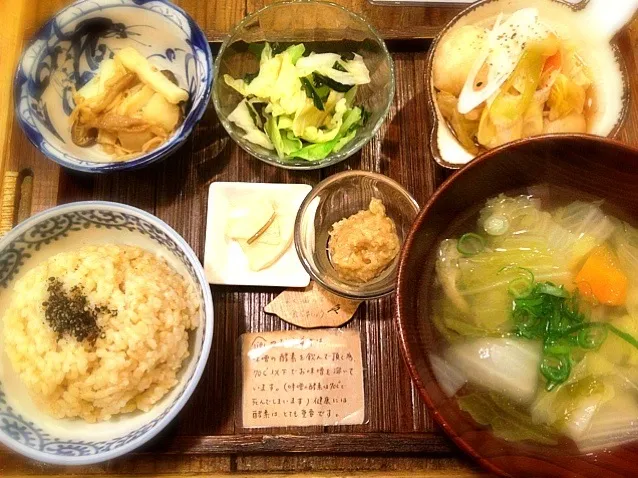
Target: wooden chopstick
<point x="7" y="201"/>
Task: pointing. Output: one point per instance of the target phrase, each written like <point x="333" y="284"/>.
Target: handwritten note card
<point x="302" y="378"/>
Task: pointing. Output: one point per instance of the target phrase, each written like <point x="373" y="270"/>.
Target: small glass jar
<point x="338" y="197"/>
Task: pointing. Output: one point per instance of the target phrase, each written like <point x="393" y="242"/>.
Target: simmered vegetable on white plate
<point x="513" y="80"/>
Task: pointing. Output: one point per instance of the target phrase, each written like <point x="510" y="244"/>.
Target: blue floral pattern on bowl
<point x="13" y="256"/>
<point x="68" y="50"/>
<point x="18" y="431"/>
<point x="26" y="433"/>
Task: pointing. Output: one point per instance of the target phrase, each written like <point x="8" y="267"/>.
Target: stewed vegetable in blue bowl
<point x="113" y="85"/>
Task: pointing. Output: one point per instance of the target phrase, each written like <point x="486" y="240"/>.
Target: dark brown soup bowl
<point x="593" y="166"/>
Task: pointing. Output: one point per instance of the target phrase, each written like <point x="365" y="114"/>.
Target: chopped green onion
<point x="556" y="369"/>
<point x="551" y="314"/>
<point x="339" y="67"/>
<point x="323" y="91"/>
<point x="524" y="271"/>
<point x="520" y="287"/>
<point x="496" y="225"/>
<point x="528" y="325"/>
<point x="470" y="244"/>
<point x="550" y="289"/>
<point x="329" y="82"/>
<point x="623" y="335"/>
<point x="556" y="348"/>
<point x="593" y="336"/>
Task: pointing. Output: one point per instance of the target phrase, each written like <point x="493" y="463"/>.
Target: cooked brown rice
<point x="133" y="363"/>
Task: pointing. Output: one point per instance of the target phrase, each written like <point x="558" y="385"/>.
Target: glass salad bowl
<point x="321" y="27"/>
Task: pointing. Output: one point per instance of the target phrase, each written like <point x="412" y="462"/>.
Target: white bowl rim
<point x="203" y="358"/>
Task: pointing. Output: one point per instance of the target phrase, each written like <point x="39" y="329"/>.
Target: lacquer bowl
<point x="67" y="51"/>
<point x="598" y="167"/>
<point x="29" y="431"/>
<point x="591" y="24"/>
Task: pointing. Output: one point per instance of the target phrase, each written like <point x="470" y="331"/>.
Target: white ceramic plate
<point x="224" y="261"/>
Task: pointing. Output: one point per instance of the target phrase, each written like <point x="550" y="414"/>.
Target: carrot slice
<point x="601" y="278"/>
<point x="554" y="62"/>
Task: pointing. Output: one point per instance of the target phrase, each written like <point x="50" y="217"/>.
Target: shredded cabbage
<point x="586" y="219"/>
<point x="615" y="423"/>
<point x="307" y="102"/>
<point x="238" y="85"/>
<point x="571" y="406"/>
<point x="520" y="333"/>
<point x="356" y="72"/>
<point x="243" y="119"/>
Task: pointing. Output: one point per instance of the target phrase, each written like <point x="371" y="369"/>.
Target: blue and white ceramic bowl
<point x="29" y="431"/>
<point x="67" y="52"/>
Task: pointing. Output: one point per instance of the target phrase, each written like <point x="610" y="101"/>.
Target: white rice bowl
<point x="136" y="359"/>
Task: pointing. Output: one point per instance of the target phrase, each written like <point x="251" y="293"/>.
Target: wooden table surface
<point x="400" y="439"/>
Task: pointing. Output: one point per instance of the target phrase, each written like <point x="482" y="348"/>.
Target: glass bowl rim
<point x="362" y="294"/>
<point x="349" y="150"/>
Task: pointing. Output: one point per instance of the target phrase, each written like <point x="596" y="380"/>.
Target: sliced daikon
<point x="508" y="366"/>
<point x="161" y="112"/>
<point x="500" y="55"/>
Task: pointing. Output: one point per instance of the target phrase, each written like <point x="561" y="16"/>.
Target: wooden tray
<point x="176" y="191"/>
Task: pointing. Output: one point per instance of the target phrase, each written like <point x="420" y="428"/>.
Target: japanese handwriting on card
<point x="302" y="378"/>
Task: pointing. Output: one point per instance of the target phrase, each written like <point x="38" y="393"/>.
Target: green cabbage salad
<point x="300" y="105"/>
<point x="539" y="312"/>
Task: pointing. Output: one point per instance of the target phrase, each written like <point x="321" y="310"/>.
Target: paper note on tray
<point x="302" y="378"/>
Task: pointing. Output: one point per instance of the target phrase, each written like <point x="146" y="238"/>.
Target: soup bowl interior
<point x="23" y="426"/>
<point x="594" y="167"/>
<point x="572" y="22"/>
<point x="67" y="52"/>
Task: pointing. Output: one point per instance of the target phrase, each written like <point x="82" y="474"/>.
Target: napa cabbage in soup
<point x="538" y="309"/>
